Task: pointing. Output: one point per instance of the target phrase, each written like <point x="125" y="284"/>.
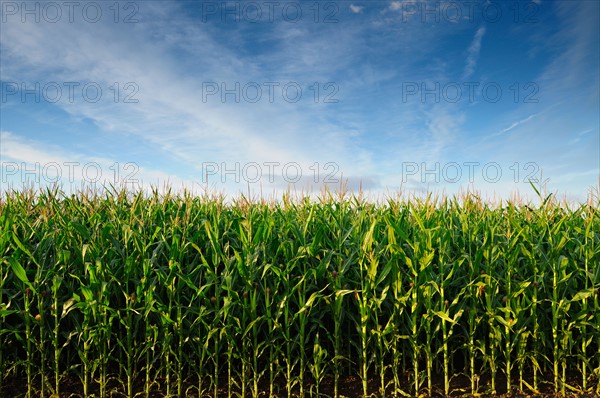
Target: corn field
<point x="145" y="295"/>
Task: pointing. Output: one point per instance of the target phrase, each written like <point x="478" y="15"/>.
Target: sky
<point x="257" y="98"/>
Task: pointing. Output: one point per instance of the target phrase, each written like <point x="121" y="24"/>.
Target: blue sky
<point x="387" y="96"/>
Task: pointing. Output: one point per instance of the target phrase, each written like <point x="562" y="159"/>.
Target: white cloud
<point x="579" y="136"/>
<point x="356" y="9"/>
<point x="473" y="53"/>
<point x="576" y="44"/>
<point x="19" y="150"/>
<point x="395" y="5"/>
<point x="171" y="112"/>
<point x="27" y="162"/>
<point x="515" y="124"/>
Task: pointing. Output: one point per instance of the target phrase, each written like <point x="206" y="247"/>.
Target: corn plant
<point x="145" y="294"/>
<point x="397" y="258"/>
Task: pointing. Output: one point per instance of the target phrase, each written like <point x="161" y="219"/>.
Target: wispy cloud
<point x="579" y="136"/>
<point x="356" y="9"/>
<point x="179" y="119"/>
<point x="27" y="161"/>
<point x="473" y="53"/>
<point x="395" y="5"/>
<point x="515" y="124"/>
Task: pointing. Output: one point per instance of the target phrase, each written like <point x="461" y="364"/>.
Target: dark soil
<point x="350" y="387"/>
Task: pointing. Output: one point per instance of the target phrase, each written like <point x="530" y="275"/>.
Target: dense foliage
<point x="201" y="297"/>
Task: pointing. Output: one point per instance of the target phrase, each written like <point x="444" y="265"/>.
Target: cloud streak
<point x="473" y="53"/>
<point x="515" y="124"/>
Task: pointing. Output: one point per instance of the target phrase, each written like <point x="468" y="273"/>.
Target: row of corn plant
<point x="162" y="294"/>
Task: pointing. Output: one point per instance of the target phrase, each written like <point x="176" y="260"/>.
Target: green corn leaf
<point x="87" y="293"/>
<point x="23" y="248"/>
<point x="20" y="273"/>
<point x="584" y="294"/>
